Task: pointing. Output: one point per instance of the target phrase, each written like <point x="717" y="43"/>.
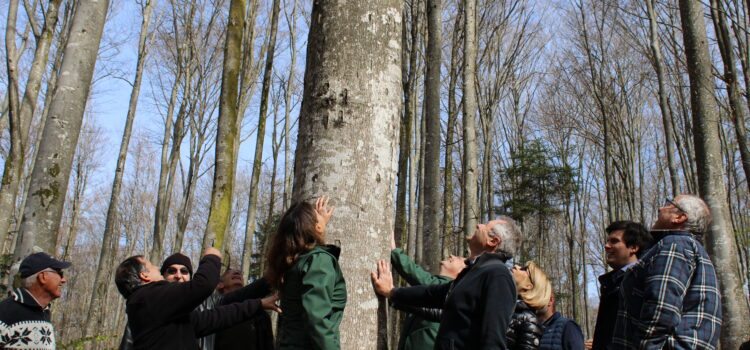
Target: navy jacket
<point x="561" y="333"/>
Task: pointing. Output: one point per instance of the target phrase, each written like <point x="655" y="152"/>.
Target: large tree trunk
<point x="470" y="164"/>
<point x="260" y="135"/>
<point x="347" y="145"/>
<point x="720" y="241"/>
<point x="225" y="166"/>
<point x="666" y="115"/>
<point x="431" y="232"/>
<point x="111" y="235"/>
<point x="49" y="179"/>
<point x="23" y="112"/>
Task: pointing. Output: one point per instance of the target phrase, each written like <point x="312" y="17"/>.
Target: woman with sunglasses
<point x="534" y="291"/>
<point x="306" y="272"/>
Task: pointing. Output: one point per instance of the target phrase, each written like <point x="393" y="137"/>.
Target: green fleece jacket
<point x="417" y="333"/>
<point x="313" y="296"/>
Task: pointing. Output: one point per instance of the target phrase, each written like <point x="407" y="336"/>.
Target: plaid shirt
<point x="670" y="298"/>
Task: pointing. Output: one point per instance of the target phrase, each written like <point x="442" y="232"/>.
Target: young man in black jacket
<point x="626" y="241"/>
<point x="161" y="314"/>
<point x="478" y="304"/>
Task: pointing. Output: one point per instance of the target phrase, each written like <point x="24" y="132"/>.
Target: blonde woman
<point x="534" y="291"/>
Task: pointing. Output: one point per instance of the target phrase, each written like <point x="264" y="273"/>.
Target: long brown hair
<point x="295" y="236"/>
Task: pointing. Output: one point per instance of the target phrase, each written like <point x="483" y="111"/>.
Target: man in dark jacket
<point x="25" y="315"/>
<point x="626" y="241"/>
<point x="177" y="268"/>
<point x="254" y="334"/>
<point x="670" y="298"/>
<point x="161" y="314"/>
<point x="418" y="332"/>
<point x="478" y="304"/>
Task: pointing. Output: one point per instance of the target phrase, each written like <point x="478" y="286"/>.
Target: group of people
<point x="661" y="293"/>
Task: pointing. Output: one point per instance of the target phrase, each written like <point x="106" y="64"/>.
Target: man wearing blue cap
<point x="25" y="315"/>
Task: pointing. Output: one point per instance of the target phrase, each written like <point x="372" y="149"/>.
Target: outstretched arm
<point x="222" y="317"/>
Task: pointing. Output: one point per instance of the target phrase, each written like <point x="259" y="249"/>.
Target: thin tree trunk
<point x="13" y="167"/>
<point x="292" y="22"/>
<point x="720" y="239"/>
<point x="250" y="243"/>
<point x="227" y="134"/>
<point x="350" y="109"/>
<point x="450" y="130"/>
<point x="401" y="228"/>
<point x="431" y="232"/>
<point x="666" y="115"/>
<point x="726" y="47"/>
<point x="470" y="163"/>
<point x="111" y="235"/>
<point x="49" y="179"/>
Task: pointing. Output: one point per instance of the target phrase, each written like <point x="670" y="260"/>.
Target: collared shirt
<point x="628" y="266"/>
<point x="670" y="298"/>
<point x="24" y="324"/>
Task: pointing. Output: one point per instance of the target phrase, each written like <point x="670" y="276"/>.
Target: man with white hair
<point x="478" y="304"/>
<point x="25" y="315"/>
<point x="670" y="298"/>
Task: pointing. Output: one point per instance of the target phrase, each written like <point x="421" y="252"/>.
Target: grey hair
<point x="698" y="214"/>
<point x="509" y="234"/>
<point x="28" y="282"/>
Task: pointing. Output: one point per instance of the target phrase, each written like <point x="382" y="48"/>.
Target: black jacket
<point x="524" y="331"/>
<point x="477" y="306"/>
<point x="608" y="303"/>
<point x="161" y="314"/>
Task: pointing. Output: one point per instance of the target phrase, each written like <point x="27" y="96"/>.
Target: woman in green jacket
<point x="306" y="272"/>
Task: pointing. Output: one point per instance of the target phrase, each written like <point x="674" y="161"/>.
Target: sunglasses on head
<point x="669" y="202"/>
<point x="173" y="271"/>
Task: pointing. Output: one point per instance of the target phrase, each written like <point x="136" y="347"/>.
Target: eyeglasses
<point x="526" y="269"/>
<point x="173" y="271"/>
<point x="669" y="202"/>
<point x="57" y="271"/>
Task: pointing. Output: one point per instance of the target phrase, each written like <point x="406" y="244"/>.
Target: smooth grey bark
<point x="720" y="238"/>
<point x="250" y="242"/>
<point x="470" y="163"/>
<point x="111" y="235"/>
<point x="666" y="114"/>
<point x="25" y="111"/>
<point x="49" y="178"/>
<point x="348" y="142"/>
<point x="431" y="232"/>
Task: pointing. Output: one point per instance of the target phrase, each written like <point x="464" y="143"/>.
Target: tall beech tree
<point x="347" y="145"/>
<point x="49" y="178"/>
<point x="720" y="238"/>
<point x="227" y="133"/>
